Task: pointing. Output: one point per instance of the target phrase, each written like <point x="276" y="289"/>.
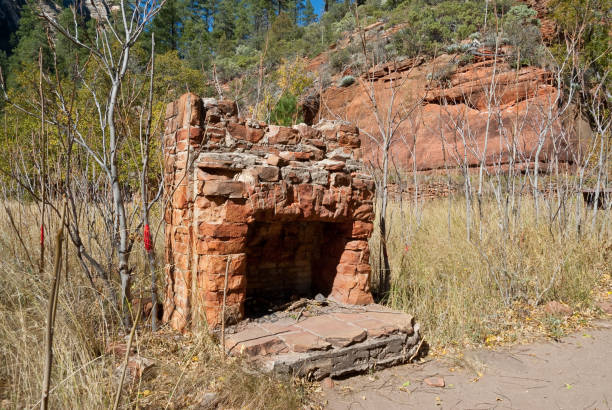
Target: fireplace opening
<point x="290" y="260"/>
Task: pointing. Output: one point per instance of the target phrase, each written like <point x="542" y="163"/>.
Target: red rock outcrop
<point x="452" y="112"/>
<point x="263" y="211"/>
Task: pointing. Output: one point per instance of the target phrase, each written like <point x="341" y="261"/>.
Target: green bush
<point x="435" y="26"/>
<point x="339" y="59"/>
<point x="522" y="30"/>
<point x="347" y="81"/>
<point x="285" y="110"/>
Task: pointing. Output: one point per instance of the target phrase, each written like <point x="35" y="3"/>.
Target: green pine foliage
<point x="285" y="111"/>
<point x="308" y="14"/>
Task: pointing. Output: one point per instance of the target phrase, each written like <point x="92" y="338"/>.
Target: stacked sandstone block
<point x="224" y="175"/>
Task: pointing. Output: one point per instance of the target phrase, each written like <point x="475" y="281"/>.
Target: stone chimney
<point x="267" y="212"/>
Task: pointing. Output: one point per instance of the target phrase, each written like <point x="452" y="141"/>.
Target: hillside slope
<point x="453" y="113"/>
<point x="453" y="117"/>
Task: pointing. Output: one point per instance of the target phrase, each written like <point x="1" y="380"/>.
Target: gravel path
<point x="575" y="373"/>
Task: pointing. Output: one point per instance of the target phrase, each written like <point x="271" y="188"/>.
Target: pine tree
<point x="243" y="26"/>
<point x="195" y="43"/>
<point x="225" y="20"/>
<point x="308" y="14"/>
<point x="27" y="40"/>
<point x="195" y="40"/>
<point x="167" y="26"/>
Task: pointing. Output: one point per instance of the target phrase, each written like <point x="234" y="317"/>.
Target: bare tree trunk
<point x="123" y="248"/>
<point x="385" y="273"/>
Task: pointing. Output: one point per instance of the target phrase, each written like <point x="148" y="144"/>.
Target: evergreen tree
<point x="195" y="44"/>
<point x="244" y="28"/>
<point x="308" y="14"/>
<point x="225" y="20"/>
<point x="29" y="38"/>
<point x="167" y="26"/>
<point x="195" y="41"/>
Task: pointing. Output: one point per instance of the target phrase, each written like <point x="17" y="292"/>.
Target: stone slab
<point x="254" y="341"/>
<point x="403" y="321"/>
<point x="376" y="328"/>
<point x="300" y="342"/>
<point x="280" y="326"/>
<point x="369" y="354"/>
<point x="337" y="332"/>
<point x="332" y="343"/>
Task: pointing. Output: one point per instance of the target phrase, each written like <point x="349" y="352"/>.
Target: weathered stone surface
<point x="319" y="177"/>
<point x="222" y="230"/>
<point x="282" y="135"/>
<point x="300" y="342"/>
<point x="328" y="383"/>
<point x="403" y="321"/>
<point x="332" y="165"/>
<point x="290" y="206"/>
<point x="216" y="160"/>
<point x="339" y="334"/>
<point x="376" y="328"/>
<point x="526" y="95"/>
<point x="282" y="326"/>
<point x="339" y="154"/>
<point x="254" y="342"/>
<point x="434" y="381"/>
<point x="190" y="112"/>
<point x="228" y="107"/>
<point x="340" y="179"/>
<point x="246" y="133"/>
<point x="231" y="189"/>
<point x="296" y="175"/>
<point x="274" y="160"/>
<point x="307" y="354"/>
<point x="265" y="173"/>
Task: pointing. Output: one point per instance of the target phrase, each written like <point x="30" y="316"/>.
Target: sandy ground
<point x="575" y="373"/>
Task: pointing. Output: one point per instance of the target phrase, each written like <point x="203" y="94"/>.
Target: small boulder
<point x="606" y="306"/>
<point x="555" y="308"/>
<point x="434" y="381"/>
<point x="328" y="383"/>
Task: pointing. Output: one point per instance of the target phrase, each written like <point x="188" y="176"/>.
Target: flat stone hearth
<point x="316" y="340"/>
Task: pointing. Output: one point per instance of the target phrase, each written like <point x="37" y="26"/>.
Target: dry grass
<point x="491" y="289"/>
<point x="447" y="282"/>
<point x="185" y="367"/>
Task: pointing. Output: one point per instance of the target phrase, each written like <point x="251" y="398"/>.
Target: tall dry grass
<point x="185" y="366"/>
<point x="466" y="291"/>
<point x="80" y="376"/>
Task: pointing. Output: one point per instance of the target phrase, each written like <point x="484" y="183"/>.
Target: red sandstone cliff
<point x="452" y="111"/>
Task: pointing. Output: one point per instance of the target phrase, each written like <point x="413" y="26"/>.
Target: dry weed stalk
<point x="52" y="309"/>
<point x="126" y="361"/>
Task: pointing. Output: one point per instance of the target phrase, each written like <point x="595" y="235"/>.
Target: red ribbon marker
<point x="42" y="234"/>
<point x="147" y="238"/>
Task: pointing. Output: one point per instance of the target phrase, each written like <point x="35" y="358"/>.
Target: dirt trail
<point x="575" y="373"/>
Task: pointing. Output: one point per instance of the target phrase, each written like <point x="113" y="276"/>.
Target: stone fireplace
<point x="266" y="212"/>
